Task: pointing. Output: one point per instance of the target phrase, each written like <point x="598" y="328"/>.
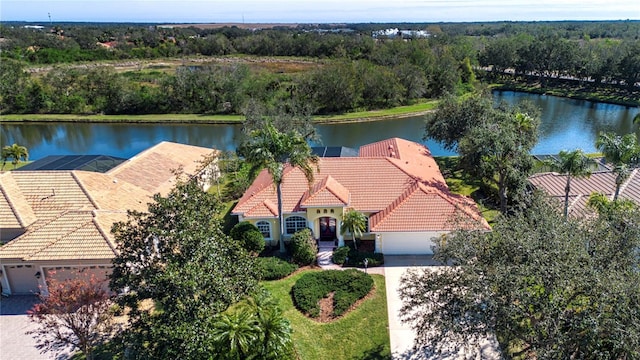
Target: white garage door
<point x="62" y="273"/>
<point x="407" y="243"/>
<point x="22" y="279"/>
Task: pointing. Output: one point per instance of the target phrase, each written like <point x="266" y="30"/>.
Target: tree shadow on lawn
<point x="380" y="352"/>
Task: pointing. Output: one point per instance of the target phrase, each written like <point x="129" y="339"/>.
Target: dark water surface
<point x="566" y="124"/>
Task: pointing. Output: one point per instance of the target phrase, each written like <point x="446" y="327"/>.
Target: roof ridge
<point x="53" y="242"/>
<point x="330" y="188"/>
<point x="10" y="200"/>
<point x="84" y="190"/>
<point x="449" y="196"/>
<point x="11" y="206"/>
<point x="395" y="204"/>
<point x="111" y="244"/>
<point x="624" y="185"/>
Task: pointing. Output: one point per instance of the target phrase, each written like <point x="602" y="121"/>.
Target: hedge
<point x="348" y="286"/>
<point x="273" y="268"/>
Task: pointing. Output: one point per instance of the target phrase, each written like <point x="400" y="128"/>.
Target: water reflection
<point x="566" y="124"/>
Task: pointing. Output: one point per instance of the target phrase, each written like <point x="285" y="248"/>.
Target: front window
<point x="265" y="228"/>
<point x="294" y="223"/>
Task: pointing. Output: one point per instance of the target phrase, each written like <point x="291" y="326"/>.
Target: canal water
<point x="566" y="125"/>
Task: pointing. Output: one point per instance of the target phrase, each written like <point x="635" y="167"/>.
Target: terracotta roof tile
<point x="422" y="208"/>
<point x="374" y="181"/>
<point x="327" y="192"/>
<point x="264" y="209"/>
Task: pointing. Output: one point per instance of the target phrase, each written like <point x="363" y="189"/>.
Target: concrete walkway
<point x="15" y="344"/>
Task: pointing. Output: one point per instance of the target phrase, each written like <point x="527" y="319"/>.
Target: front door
<point x="327" y="228"/>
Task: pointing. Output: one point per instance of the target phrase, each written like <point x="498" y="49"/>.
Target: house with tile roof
<point x="396" y="183"/>
<point x="57" y="223"/>
<point x="603" y="182"/>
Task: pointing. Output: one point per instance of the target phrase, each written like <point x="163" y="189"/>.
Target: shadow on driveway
<point x="17" y="304"/>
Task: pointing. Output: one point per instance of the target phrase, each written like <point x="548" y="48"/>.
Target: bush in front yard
<point x="356" y="258"/>
<point x="249" y="236"/>
<point x="340" y="255"/>
<point x="273" y="268"/>
<point x="303" y="248"/>
<point x="348" y="287"/>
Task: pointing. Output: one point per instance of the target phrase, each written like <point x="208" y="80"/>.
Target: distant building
<point x="405" y="34"/>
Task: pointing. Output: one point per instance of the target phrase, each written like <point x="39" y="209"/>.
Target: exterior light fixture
<point x="38" y="275"/>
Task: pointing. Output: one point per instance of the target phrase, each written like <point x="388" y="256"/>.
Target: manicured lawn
<point x="361" y="334"/>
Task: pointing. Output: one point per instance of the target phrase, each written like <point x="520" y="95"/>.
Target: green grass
<point x="460" y="182"/>
<point x="151" y="118"/>
<point x="399" y="111"/>
<point x="361" y="334"/>
<point x="9" y="166"/>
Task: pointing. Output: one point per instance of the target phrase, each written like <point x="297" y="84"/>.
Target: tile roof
<point x="370" y="183"/>
<point x="68" y="214"/>
<point x="409" y="213"/>
<point x="327" y="192"/>
<point x="603" y="182"/>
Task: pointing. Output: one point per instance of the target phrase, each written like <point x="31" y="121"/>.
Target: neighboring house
<point x="58" y="222"/>
<point x="603" y="182"/>
<point x="396" y="183"/>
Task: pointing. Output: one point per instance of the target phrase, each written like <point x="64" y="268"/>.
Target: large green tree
<point x="274" y="150"/>
<point x="175" y="259"/>
<point x="493" y="142"/>
<point x="574" y="164"/>
<point x="543" y="286"/>
<point x="623" y="152"/>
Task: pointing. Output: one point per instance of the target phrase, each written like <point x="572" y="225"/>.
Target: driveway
<point x="14" y="343"/>
<point x="401" y="334"/>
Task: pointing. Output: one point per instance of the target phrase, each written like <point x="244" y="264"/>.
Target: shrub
<point x="240" y="228"/>
<point x="356" y="258"/>
<point x="249" y="236"/>
<point x="253" y="241"/>
<point x="273" y="268"/>
<point x="340" y="255"/>
<point x="303" y="247"/>
<point x="348" y="286"/>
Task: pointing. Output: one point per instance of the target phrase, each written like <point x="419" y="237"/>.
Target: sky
<point x="313" y="11"/>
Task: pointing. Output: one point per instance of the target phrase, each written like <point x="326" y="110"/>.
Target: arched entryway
<point x="327" y="226"/>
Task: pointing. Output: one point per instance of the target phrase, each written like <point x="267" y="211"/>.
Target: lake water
<point x="566" y="124"/>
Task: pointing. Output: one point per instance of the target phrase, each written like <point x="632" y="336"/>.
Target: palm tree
<point x="271" y="149"/>
<point x="16" y="153"/>
<point x="355" y="223"/>
<point x="237" y="332"/>
<point x="275" y="335"/>
<point x="621" y="151"/>
<point x="574" y="164"/>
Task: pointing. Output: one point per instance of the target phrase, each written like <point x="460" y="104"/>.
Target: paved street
<point x="14" y="343"/>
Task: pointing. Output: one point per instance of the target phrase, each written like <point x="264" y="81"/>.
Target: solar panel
<point x="96" y="163"/>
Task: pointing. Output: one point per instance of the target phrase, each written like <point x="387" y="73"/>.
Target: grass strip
<point x="397" y="112"/>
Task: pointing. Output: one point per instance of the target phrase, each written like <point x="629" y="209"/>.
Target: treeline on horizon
<point x="351" y="70"/>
